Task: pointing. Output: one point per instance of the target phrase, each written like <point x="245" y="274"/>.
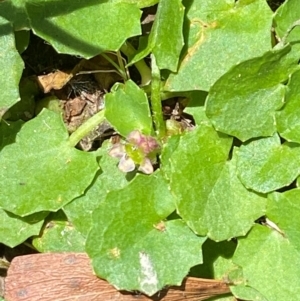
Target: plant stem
<point x="156" y="106"/>
<point x="121" y="61"/>
<point x="167" y="94"/>
<point x="141" y="66"/>
<point x="120" y="70"/>
<point x="86" y="127"/>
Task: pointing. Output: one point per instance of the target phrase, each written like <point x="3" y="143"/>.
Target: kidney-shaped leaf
<point x="219" y="34"/>
<point x="243" y="102"/>
<point x="85" y="30"/>
<point x="270" y="263"/>
<point x="127" y="109"/>
<point x="265" y="165"/>
<point x="133" y="247"/>
<point x="195" y="167"/>
<point x="40" y="171"/>
<point x="210" y="197"/>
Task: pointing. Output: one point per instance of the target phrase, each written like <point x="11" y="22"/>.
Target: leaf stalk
<point x="156" y="106"/>
<point x="141" y="66"/>
<point x="86" y="128"/>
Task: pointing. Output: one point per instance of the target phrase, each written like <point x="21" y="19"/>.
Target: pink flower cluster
<point x="138" y="149"/>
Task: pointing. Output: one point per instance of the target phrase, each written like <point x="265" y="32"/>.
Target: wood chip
<point x="55" y="80"/>
<point x="69" y="276"/>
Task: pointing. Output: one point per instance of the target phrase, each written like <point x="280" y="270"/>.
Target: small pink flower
<point x="147" y="144"/>
<point x="135" y="151"/>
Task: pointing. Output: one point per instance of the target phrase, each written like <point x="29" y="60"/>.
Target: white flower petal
<point x="146" y="167"/>
<point x="126" y="164"/>
<point x="117" y="151"/>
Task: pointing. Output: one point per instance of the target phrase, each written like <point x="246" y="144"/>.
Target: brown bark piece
<point x="69" y="276"/>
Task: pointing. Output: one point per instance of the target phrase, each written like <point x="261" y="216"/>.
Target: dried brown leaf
<point x="55" y="80"/>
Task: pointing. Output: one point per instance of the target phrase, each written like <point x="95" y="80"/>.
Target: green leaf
<point x="212" y="188"/>
<point x="270" y="262"/>
<point x="216" y="264"/>
<point x="15" y="12"/>
<point x="265" y="165"/>
<point x="59" y="235"/>
<point x="11" y="67"/>
<point x="138" y="3"/>
<point x="245" y="292"/>
<point x="231" y="209"/>
<point x="68" y="29"/>
<point x="195" y="106"/>
<point x="218" y="35"/>
<point x="167" y="151"/>
<point x="216" y="260"/>
<point x="240" y="288"/>
<point x="80" y="210"/>
<point x="196" y="165"/>
<point x="243" y="102"/>
<point x="24" y="109"/>
<point x="22" y="40"/>
<point x="283" y="209"/>
<point x="127" y="109"/>
<point x="286" y="15"/>
<point x="288" y="119"/>
<point x="8" y="132"/>
<point x="130" y="236"/>
<point x="166" y="39"/>
<point x="15" y="229"/>
<point x="41" y="169"/>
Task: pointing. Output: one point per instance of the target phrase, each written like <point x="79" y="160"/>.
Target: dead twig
<point x="69" y="276"/>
